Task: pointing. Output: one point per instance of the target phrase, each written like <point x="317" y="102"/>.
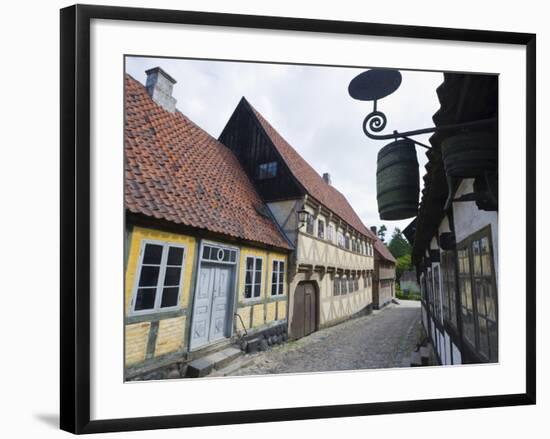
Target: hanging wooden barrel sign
<point x="397" y="181"/>
<point x="469" y="155"/>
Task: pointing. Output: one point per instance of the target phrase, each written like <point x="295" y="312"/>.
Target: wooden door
<point x="210" y="310"/>
<point x="220" y="302"/>
<point x="304" y="317"/>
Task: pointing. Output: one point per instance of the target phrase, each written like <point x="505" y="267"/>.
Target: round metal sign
<point x="374" y="84"/>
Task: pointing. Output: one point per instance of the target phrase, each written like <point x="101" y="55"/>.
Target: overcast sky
<point x="310" y="107"/>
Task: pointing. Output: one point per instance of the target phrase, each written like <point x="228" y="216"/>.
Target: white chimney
<point x="159" y="85"/>
<point x="326" y="177"/>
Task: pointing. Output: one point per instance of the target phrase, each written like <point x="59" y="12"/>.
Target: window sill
<point x="155" y="315"/>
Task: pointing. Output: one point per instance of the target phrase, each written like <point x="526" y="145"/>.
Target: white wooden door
<point x="211" y="305"/>
<point x="220" y="301"/>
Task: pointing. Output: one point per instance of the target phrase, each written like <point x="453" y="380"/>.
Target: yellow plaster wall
<point x="138" y="235"/>
<point x="244" y="312"/>
<point x="136" y="337"/>
<point x="170" y="335"/>
<point x="258" y="315"/>
<point x="281" y="310"/>
<point x="265" y="310"/>
<point x="271" y="311"/>
<point x="267" y="266"/>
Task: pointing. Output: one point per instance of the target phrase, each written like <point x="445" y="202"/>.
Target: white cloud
<point x="311" y="109"/>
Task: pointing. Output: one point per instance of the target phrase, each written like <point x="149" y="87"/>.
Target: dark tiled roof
<point x="312" y="182"/>
<point x="381" y="248"/>
<point x="177" y="172"/>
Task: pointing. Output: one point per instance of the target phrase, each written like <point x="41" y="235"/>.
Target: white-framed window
<point x="309" y="223"/>
<point x="336" y="291"/>
<point x="253" y="277"/>
<point x="278" y="278"/>
<point x="330" y="233"/>
<point x="341" y="241"/>
<point x="159" y="277"/>
<point x="343" y="286"/>
<point x="321" y="229"/>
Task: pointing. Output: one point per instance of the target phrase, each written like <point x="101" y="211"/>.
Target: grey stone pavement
<point x="382" y="339"/>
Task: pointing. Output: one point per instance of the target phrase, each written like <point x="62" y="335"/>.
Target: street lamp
<point x="302" y="217"/>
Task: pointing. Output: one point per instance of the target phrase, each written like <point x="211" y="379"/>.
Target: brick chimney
<point x="159" y="85"/>
<point x="326" y="177"/>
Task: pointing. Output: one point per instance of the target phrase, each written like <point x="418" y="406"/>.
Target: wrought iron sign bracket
<point x="375" y="84"/>
<point x="376" y="121"/>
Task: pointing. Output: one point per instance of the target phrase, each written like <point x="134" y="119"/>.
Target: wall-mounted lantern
<point x="302" y="217"/>
<point x="397" y="176"/>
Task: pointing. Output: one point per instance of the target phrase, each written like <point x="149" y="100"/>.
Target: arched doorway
<point x="305" y="318"/>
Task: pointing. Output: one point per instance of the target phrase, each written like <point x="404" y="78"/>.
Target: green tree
<point x="382" y="232"/>
<point x="399" y="246"/>
<point x="404" y="263"/>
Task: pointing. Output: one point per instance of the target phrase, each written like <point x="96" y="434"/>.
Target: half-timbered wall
<point x="469" y="223"/>
<point x="156" y="335"/>
<point x="320" y="259"/>
<point x="256" y="312"/>
<point x="160" y="337"/>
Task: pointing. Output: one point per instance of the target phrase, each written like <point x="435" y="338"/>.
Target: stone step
<point x="217" y="360"/>
<point x="234" y="366"/>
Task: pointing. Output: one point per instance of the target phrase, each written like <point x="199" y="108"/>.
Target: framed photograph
<point x="273" y="218"/>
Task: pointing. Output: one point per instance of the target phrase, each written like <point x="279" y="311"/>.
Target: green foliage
<point x="411" y="296"/>
<point x="382" y="232"/>
<point x="399" y="246"/>
<point x="404" y="263"/>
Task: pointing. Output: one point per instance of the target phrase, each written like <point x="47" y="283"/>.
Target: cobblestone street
<point x="382" y="339"/>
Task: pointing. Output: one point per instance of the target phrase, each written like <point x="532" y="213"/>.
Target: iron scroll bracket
<point x="376" y="121"/>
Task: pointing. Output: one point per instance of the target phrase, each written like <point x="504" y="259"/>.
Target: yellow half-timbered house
<point x="206" y="262"/>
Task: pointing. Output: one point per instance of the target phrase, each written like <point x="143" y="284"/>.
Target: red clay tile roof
<point x="312" y="182"/>
<point x="381" y="248"/>
<point x="176" y="171"/>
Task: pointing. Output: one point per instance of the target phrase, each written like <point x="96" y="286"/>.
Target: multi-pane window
<point x="437" y="297"/>
<point x="466" y="298"/>
<point x="429" y="291"/>
<point x="343" y="286"/>
<point x="309" y="224"/>
<point x="336" y="286"/>
<point x="253" y="277"/>
<point x="478" y="288"/>
<point x="356" y="284"/>
<point x="321" y="229"/>
<point x="267" y="170"/>
<point x="160" y="277"/>
<point x="448" y="261"/>
<point x="341" y="241"/>
<point x="365" y="280"/>
<point x="347" y="243"/>
<point x="278" y="278"/>
<point x="330" y="233"/>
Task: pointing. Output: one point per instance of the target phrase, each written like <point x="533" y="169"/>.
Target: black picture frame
<point x="75" y="217"/>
